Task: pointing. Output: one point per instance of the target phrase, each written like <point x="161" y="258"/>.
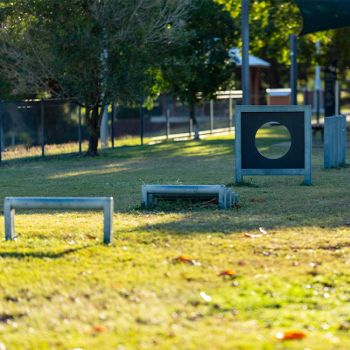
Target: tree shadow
<point x="164" y="149"/>
<point x="204" y="222"/>
<point x="18" y="255"/>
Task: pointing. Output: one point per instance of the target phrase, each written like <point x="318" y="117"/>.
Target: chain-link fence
<point x="170" y="119"/>
<point x="40" y="128"/>
<point x="46" y="127"/>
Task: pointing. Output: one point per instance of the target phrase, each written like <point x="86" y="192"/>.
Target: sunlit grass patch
<point x="61" y="288"/>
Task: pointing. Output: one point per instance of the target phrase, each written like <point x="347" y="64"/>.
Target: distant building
<point x="256" y="64"/>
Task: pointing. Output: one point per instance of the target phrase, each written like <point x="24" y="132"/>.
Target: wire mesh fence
<point x="47" y="127"/>
<point x="40" y="128"/>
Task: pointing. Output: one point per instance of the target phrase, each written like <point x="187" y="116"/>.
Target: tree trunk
<point x="94" y="131"/>
<point x="194" y="121"/>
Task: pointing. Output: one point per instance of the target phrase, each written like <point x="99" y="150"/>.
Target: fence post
<point x="230" y="111"/>
<point x="190" y="127"/>
<point x="211" y="116"/>
<point x="79" y="130"/>
<point x="112" y="124"/>
<point x="142" y="126"/>
<point x="167" y="123"/>
<point x="1" y="131"/>
<point x="42" y="116"/>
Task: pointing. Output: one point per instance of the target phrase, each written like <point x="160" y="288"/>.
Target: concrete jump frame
<point x="226" y="198"/>
<point x="334" y="141"/>
<point x="104" y="203"/>
<point x="305" y="171"/>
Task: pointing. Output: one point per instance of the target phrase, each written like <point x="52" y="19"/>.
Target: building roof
<point x="235" y="55"/>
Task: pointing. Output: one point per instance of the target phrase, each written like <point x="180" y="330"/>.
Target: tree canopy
<point x="272" y="22"/>
<point x="200" y="65"/>
<point x="96" y="50"/>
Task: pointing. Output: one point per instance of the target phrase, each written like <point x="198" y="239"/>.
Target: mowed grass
<point x="60" y="288"/>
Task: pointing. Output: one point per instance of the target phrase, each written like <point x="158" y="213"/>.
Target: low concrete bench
<point x="225" y="197"/>
<point x="104" y="203"/>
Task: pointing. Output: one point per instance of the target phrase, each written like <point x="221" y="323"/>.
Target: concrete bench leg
<point x="9" y="216"/>
<point x="108" y="221"/>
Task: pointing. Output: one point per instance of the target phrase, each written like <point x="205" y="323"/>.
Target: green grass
<point x="60" y="288"/>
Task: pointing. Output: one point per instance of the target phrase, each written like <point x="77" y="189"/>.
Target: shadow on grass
<point x="164" y="149"/>
<point x="249" y="217"/>
<point x="18" y="255"/>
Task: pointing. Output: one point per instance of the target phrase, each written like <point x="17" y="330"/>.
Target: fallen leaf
<point x="207" y="298"/>
<point x="229" y="273"/>
<point x="98" y="329"/>
<point x="250" y="235"/>
<point x="262" y="230"/>
<point x="187" y="260"/>
<point x="258" y="200"/>
<point x="88" y="236"/>
<point x="345" y="326"/>
<point x="290" y="335"/>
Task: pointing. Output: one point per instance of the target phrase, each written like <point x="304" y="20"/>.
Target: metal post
<point x="108" y="210"/>
<point x="337" y="95"/>
<point x="79" y="130"/>
<point x="318" y="84"/>
<point x="211" y="116"/>
<point x="167" y="123"/>
<point x="318" y="106"/>
<point x="42" y="115"/>
<point x="230" y="106"/>
<point x="112" y="124"/>
<point x="245" y="52"/>
<point x="142" y="125"/>
<point x="293" y="68"/>
<point x="1" y="131"/>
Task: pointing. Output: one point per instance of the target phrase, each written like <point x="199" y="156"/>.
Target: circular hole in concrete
<point x="273" y="140"/>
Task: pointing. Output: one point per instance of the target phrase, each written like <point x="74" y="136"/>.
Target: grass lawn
<point x="60" y="288"/>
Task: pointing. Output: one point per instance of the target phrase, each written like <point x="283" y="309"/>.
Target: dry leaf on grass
<point x="187" y="260"/>
<point x="228" y="273"/>
<point x="250" y="235"/>
<point x="98" y="328"/>
<point x="258" y="200"/>
<point x="290" y="335"/>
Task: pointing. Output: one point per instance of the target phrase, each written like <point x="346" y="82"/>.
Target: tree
<point x="271" y="24"/>
<point x="200" y="66"/>
<point x="94" y="50"/>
